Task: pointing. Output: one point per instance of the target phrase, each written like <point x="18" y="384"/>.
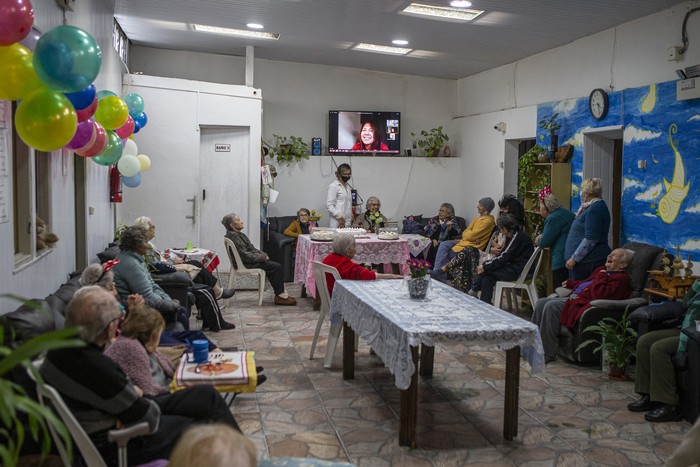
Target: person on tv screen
<point x="370" y="139"/>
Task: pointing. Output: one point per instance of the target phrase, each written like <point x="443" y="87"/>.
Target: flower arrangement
<point x="375" y="217"/>
<point x="315" y="217"/>
<point x="418" y="267"/>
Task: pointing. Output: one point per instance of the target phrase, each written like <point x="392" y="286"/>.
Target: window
<point x="31" y="182"/>
<point x="120" y="42"/>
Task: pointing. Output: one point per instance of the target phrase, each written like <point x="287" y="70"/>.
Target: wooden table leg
<point x="427" y="357"/>
<point x="510" y="411"/>
<point x="348" y="352"/>
<point x="408" y="416"/>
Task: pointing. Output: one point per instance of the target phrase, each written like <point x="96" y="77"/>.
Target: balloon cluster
<point x="58" y="104"/>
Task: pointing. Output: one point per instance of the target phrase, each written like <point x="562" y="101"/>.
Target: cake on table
<point x="388" y="235"/>
<point x="322" y="235"/>
<point x="354" y="231"/>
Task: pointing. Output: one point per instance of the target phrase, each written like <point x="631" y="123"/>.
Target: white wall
<point x="48" y="272"/>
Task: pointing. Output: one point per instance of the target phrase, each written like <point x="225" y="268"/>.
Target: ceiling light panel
<point x="236" y="32"/>
<point x="441" y="12"/>
<point x="381" y="49"/>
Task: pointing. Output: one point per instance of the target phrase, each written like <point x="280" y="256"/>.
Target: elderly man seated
<point x="254" y="258"/>
<point x="102" y="398"/>
<point x="609" y="281"/>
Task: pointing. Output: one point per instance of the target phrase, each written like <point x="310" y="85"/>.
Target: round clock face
<point x="598" y="103"/>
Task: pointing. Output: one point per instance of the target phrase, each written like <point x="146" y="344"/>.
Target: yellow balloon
<point x="111" y="113"/>
<point x="17" y="71"/>
<point x="46" y="120"/>
<point x="145" y="162"/>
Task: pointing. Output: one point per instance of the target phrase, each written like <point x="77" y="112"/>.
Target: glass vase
<point x="418" y="287"/>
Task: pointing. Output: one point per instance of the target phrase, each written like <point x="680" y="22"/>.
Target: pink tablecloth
<point x="208" y="258"/>
<point x="369" y="250"/>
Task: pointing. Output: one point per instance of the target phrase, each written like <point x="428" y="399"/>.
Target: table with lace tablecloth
<point x="394" y="325"/>
<point x="369" y="250"/>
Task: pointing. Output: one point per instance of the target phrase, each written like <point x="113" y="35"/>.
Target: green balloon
<point x="46" y="120"/>
<point x="112" y="152"/>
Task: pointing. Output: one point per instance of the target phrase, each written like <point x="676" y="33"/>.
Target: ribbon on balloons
<point x="83" y="98"/>
<point x="132" y="182"/>
<point x="83" y="134"/>
<point x="17" y="71"/>
<point x="16" y="20"/>
<point x="45" y="120"/>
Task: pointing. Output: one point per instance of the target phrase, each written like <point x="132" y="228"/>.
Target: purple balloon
<point x="83" y="133"/>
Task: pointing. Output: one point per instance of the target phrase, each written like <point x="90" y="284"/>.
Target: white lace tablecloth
<point x="370" y="250"/>
<point x="381" y="313"/>
<point x="416" y="243"/>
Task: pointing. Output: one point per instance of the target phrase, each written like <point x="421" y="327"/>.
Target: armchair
<point x="646" y="257"/>
<point x="278" y="246"/>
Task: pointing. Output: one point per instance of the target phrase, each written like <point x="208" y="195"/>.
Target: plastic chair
<point x="320" y="271"/>
<point x="87" y="449"/>
<point x="523" y="283"/>
<point x="237" y="267"/>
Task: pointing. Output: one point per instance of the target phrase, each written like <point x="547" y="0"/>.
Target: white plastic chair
<point x="237" y="267"/>
<point x="523" y="283"/>
<point x="320" y="271"/>
<point x="87" y="449"/>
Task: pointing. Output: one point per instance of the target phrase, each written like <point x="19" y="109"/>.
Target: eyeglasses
<point x="375" y="204"/>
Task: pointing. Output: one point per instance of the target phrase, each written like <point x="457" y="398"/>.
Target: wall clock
<point x="598" y="104"/>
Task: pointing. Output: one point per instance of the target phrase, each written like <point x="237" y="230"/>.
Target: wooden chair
<point x="237" y="267"/>
<point x="320" y="271"/>
<point x="49" y="397"/>
<point x="523" y="283"/>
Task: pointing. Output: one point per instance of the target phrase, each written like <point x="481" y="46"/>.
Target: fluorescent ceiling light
<point x="399" y="42"/>
<point x="255" y="26"/>
<point x="236" y="32"/>
<point x="382" y="49"/>
<point x="460" y="3"/>
<point x="441" y="12"/>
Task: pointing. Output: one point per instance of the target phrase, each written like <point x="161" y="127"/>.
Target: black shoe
<point x="642" y="405"/>
<point x="225" y="326"/>
<point x="665" y="413"/>
<point x="259" y="369"/>
<point x="227" y="293"/>
<point x="261" y="379"/>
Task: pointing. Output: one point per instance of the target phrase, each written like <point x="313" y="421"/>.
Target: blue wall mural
<point x="661" y="203"/>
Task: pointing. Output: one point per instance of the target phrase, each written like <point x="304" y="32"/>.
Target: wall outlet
<point x="673" y="53"/>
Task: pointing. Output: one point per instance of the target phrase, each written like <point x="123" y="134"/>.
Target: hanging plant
<point x="289" y="149"/>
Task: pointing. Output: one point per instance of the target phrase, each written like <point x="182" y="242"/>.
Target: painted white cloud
<point x="694" y="209"/>
<point x="628" y="183"/>
<point x="566" y="107"/>
<point x="633" y="134"/>
<point x="650" y="194"/>
<point x="648" y="214"/>
<point x="694" y="117"/>
<point x="577" y="140"/>
<point x="691" y="245"/>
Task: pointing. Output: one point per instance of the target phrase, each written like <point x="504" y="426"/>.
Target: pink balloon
<point x="88" y="111"/>
<point x="98" y="146"/>
<point x="83" y="134"/>
<point x="16" y="20"/>
<point x="126" y="129"/>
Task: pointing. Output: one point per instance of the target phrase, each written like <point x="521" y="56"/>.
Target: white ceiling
<point x="322" y="31"/>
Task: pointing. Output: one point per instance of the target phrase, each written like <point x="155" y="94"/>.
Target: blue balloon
<point x="137" y="127"/>
<point x="141" y="119"/>
<point x="135" y="104"/>
<point x="83" y="98"/>
<point x="132" y="182"/>
<point x="67" y="59"/>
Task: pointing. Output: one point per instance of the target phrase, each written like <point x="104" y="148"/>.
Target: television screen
<point x="363" y="132"/>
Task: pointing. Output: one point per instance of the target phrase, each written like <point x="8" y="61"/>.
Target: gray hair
<point x="94" y="275"/>
<point x="551" y="202"/>
<point x="629" y="256"/>
<point x="92" y="308"/>
<point x="228" y="220"/>
<point x="371" y="200"/>
<point x="449" y="207"/>
<point x="342" y="243"/>
<point x="133" y="237"/>
<point x="592" y="186"/>
<point x="144" y="222"/>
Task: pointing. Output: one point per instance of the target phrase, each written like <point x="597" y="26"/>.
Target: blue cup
<point x="199" y="351"/>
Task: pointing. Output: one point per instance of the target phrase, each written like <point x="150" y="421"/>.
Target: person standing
<point x="339" y="198"/>
<point x="557" y="222"/>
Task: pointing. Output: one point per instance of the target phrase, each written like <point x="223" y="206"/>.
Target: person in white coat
<point x="339" y="198"/>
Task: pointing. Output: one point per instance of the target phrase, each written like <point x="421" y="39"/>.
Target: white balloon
<point x="128" y="166"/>
<point x="145" y="162"/>
<point x="130" y="148"/>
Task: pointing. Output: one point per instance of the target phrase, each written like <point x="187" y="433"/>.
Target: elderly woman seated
<point x="341" y="259"/>
<point x="202" y="277"/>
<point x="371" y="220"/>
<point x="509" y="263"/>
<point x="440" y="228"/>
<point x="609" y="281"/>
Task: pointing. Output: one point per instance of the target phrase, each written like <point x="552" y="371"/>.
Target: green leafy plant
<point x="431" y="141"/>
<point x="549" y="124"/>
<point x="617" y="338"/>
<point x="526" y="168"/>
<point x="15" y="403"/>
<point x="289" y="149"/>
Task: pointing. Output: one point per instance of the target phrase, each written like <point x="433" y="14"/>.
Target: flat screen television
<point x="364" y="132"/>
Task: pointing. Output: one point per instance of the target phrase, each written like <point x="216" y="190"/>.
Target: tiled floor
<point x="569" y="415"/>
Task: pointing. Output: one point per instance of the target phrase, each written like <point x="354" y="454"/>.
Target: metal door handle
<point x="192" y="200"/>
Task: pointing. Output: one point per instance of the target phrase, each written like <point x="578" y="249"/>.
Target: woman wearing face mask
<point x="370" y="139"/>
<point x="339" y="198"/>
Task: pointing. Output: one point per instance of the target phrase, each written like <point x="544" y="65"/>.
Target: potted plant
<point x="418" y="281"/>
<point x="289" y="149"/>
<point x="431" y="141"/>
<point x="618" y="339"/>
<point x="550" y="125"/>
